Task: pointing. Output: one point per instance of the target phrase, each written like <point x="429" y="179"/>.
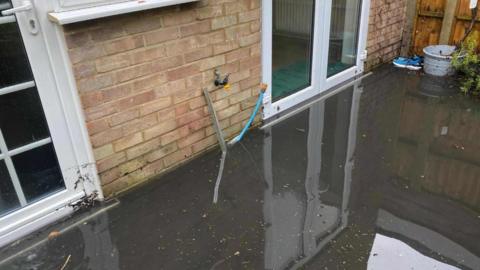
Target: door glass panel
<point x="14" y="65"/>
<point x="8" y="196"/>
<point x="292" y="46"/>
<point x="38" y="172"/>
<point x="21" y="118"/>
<point x="343" y="35"/>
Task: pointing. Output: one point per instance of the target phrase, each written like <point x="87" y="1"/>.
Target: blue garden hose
<point x="239" y="137"/>
<point x="221" y="140"/>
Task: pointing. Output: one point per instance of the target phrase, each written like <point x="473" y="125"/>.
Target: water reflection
<point x="433" y="153"/>
<point x="379" y="176"/>
<point x="307" y="195"/>
<point x="433" y="86"/>
<point x="401" y="256"/>
<point x="417" y="167"/>
<point x="420" y="240"/>
<point x="436" y="147"/>
<point x="427" y="189"/>
<point x="84" y="245"/>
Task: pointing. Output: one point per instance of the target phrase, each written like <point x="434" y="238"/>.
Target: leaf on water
<point x="53" y="234"/>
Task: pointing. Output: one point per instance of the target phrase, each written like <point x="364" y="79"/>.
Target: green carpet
<point x="336" y="68"/>
<point x="292" y="78"/>
<point x="289" y="79"/>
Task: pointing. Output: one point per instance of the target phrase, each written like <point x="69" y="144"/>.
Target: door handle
<point x="31" y="17"/>
<point x="26" y="6"/>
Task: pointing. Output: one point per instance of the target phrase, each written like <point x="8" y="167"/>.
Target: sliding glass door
<point x="310" y="46"/>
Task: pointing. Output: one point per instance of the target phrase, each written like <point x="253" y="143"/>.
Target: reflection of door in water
<point x="94" y="248"/>
<point x="29" y="169"/>
<point x="308" y="186"/>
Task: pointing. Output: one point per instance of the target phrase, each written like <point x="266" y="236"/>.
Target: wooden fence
<point x="441" y="22"/>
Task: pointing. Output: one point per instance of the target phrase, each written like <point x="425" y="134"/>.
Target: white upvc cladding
<point x="72" y="11"/>
<point x="63" y="5"/>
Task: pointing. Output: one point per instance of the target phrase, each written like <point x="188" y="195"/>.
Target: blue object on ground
<point x="414" y="63"/>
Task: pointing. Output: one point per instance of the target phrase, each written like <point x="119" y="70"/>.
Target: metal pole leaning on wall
<point x="221" y="141"/>
<point x="221" y="138"/>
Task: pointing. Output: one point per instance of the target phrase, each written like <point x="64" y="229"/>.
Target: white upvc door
<point x="41" y="173"/>
<point x="280" y="19"/>
<point x="310" y="46"/>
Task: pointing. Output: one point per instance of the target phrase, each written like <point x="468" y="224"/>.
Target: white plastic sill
<point x="91" y="13"/>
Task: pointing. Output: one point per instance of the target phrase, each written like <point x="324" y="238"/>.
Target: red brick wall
<point x="385" y="30"/>
<point x="140" y="78"/>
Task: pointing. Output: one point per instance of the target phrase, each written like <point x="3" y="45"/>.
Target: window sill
<point x="92" y="13"/>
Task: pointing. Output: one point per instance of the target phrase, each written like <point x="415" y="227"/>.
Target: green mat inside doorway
<point x="292" y="78"/>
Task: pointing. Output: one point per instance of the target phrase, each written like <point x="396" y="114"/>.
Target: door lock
<point x="31" y="17"/>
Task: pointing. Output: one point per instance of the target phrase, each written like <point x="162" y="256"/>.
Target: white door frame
<point x="271" y="108"/>
<point x="361" y="47"/>
<point x="50" y="64"/>
<point x="320" y="49"/>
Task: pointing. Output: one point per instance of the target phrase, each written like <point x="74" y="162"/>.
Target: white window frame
<point x="65" y="5"/>
<point x="319" y="81"/>
<point x="72" y="11"/>
<point x="361" y="46"/>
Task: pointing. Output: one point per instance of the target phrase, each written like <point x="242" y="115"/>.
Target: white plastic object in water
<point x="473" y="4"/>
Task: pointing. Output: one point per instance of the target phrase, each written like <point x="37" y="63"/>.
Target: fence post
<point x="448" y="19"/>
<point x="408" y="31"/>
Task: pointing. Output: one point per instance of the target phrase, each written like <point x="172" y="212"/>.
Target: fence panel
<point x="463" y="17"/>
<point x="428" y="24"/>
<point x="431" y="22"/>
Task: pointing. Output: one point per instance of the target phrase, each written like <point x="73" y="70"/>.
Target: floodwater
<point x="382" y="175"/>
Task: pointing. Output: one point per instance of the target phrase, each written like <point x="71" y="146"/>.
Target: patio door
<point x="310" y="46"/>
<point x="37" y="171"/>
